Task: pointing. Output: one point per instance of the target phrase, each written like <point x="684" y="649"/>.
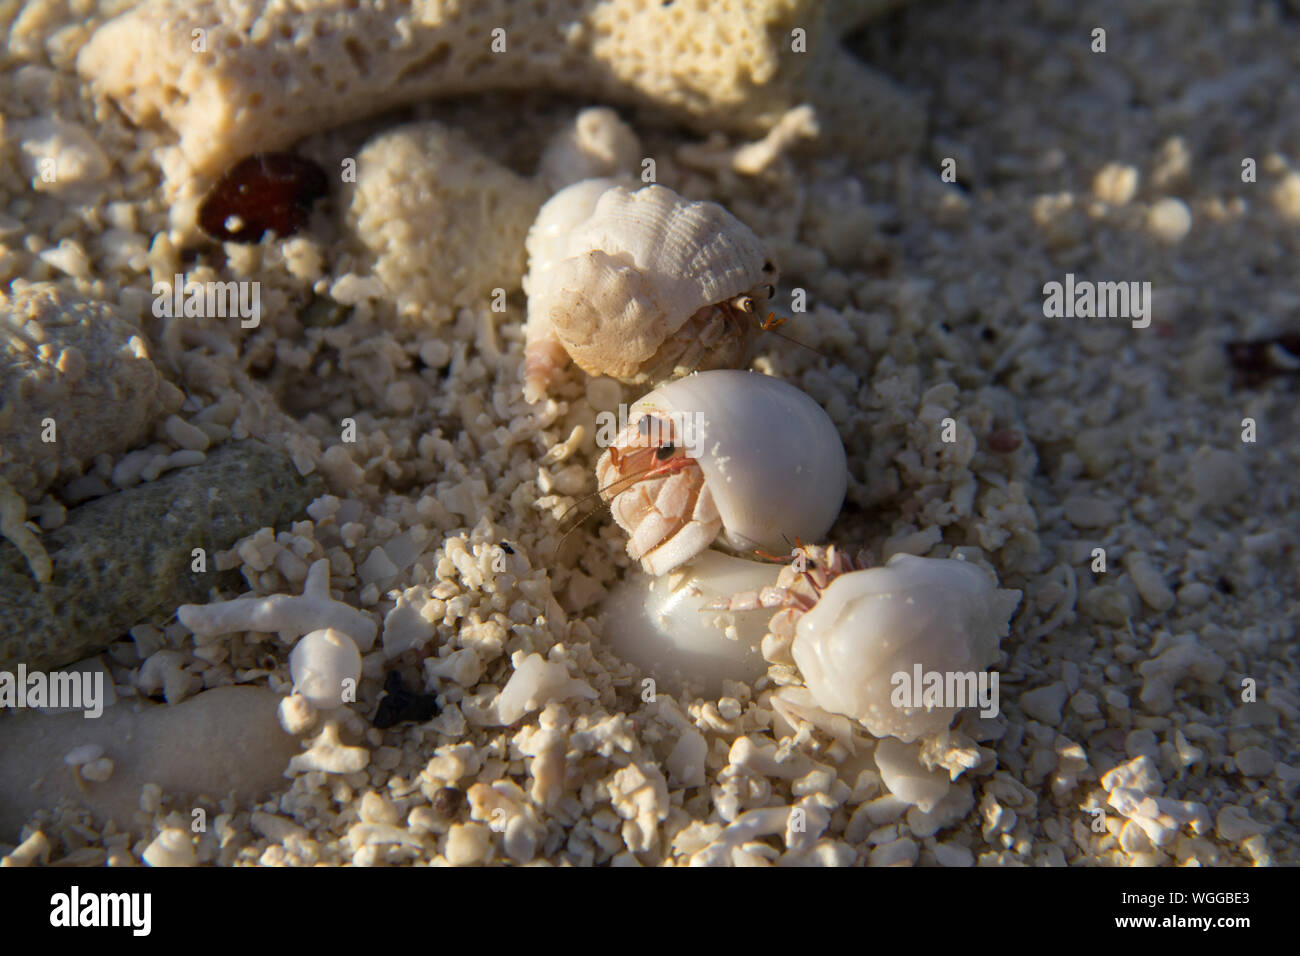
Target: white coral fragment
<point x="325" y="664"/>
<point x="172" y="847"/>
<point x="58" y="155"/>
<point x="284" y="614"/>
<point x="597" y="143"/>
<point x="329" y="754"/>
<point x="535" y="683"/>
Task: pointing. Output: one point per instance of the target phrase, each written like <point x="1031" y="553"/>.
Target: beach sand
<point x="1148" y="710"/>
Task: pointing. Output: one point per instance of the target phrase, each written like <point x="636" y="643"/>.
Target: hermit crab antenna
<point x="774" y="321"/>
<point x="619" y="483"/>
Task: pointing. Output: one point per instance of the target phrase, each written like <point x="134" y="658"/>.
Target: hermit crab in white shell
<point x="735" y="456"/>
<point x="640" y="285"/>
<point x="852" y="630"/>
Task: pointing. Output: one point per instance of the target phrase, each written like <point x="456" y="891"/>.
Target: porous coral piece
<point x="445" y="223"/>
<point x="83" y="366"/>
<point x="253" y="76"/>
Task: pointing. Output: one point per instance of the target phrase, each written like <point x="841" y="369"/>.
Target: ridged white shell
<point x="548" y="239"/>
<point x="634" y="270"/>
<point x="943" y="614"/>
<point x="771" y="456"/>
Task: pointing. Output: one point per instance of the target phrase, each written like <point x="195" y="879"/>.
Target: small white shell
<point x="320" y="662"/>
<point x="618" y="290"/>
<point x="765" y="467"/>
<point x="943" y="614"/>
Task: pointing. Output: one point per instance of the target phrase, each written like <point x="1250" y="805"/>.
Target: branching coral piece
<point x="287" y="615"/>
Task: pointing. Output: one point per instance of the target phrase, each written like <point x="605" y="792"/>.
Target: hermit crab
<point x="852" y="631"/>
<point x="641" y="285"/>
<point x="729" y="455"/>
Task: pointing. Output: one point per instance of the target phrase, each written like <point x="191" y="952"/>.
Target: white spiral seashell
<point x="646" y="285"/>
<point x="944" y="615"/>
<point x="549" y="236"/>
<point x="728" y="454"/>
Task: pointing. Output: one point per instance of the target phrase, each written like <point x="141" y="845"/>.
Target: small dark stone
<point x="447" y="801"/>
<point x="266" y="191"/>
<point x="1257" y="359"/>
<point x="399" y="705"/>
<point x="322" y="313"/>
<point x="505" y="546"/>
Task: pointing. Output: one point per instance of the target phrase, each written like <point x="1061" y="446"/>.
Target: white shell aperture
<point x="926" y="615"/>
<point x="756" y="463"/>
<point x="642" y="285"/>
<point x="662" y="625"/>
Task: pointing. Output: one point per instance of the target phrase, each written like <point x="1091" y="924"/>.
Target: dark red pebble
<point x="1004" y="441"/>
<point x="267" y="191"/>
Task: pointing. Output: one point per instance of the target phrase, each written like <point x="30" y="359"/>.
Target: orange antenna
<point x="774" y="321"/>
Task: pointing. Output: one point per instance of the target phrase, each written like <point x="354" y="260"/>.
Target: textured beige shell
<point x="636" y="270"/>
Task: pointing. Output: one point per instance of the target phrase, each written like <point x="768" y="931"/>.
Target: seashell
<point x="729" y="455"/>
<point x="942" y="614"/>
<point x="662" y="625"/>
<point x="640" y="285"/>
<point x="855" y="630"/>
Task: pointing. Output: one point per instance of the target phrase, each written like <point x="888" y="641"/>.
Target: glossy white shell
<point x="661" y="623"/>
<point x="944" y="614"/>
<point x="770" y="456"/>
<point x="612" y="282"/>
